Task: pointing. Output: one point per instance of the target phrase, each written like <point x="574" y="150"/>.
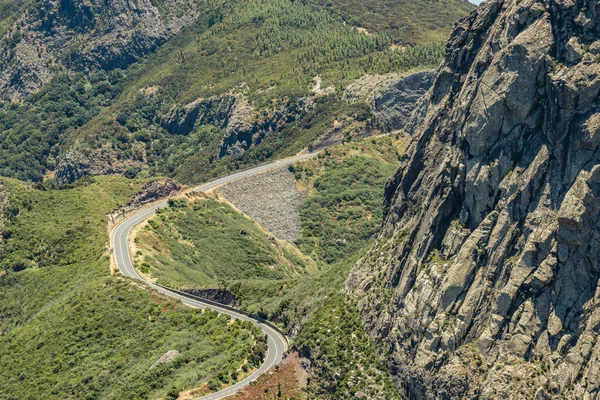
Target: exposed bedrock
<point x="483" y="282"/>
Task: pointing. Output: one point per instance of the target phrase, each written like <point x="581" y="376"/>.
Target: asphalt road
<point x="277" y="344"/>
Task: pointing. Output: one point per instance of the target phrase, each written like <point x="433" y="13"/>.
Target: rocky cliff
<point x="393" y="97"/>
<point x="244" y="126"/>
<point x="84" y="35"/>
<point x="483" y="282"/>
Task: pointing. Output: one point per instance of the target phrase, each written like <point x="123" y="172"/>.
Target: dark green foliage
<point x="346" y="208"/>
<point x="32" y="131"/>
<point x="343" y="357"/>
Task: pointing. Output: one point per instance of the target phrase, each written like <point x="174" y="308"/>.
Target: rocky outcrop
<point x="483" y="282"/>
<point x="83" y="35"/>
<point x="152" y="191"/>
<point x="394" y="106"/>
<point x="222" y="296"/>
<point x="80" y="162"/>
<point x="247" y="128"/>
<point x="393" y="97"/>
<point x="243" y="125"/>
<point x="182" y="120"/>
<point x="166" y="358"/>
<point x="155" y="190"/>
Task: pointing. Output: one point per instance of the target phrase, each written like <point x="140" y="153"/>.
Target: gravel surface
<point x="271" y="198"/>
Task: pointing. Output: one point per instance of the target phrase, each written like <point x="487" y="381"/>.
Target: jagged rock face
<point x="247" y="128"/>
<point x="243" y="128"/>
<point x="80" y="162"/>
<point x="484" y="279"/>
<point x="81" y="35"/>
<point x="394" y="106"/>
<point x="393" y="97"/>
<point x="182" y="120"/>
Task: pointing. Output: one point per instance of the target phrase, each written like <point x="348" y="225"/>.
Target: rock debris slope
<point x="272" y="199"/>
<point x="483" y="282"/>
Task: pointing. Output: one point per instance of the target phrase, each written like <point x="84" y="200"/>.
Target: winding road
<point x="277" y="343"/>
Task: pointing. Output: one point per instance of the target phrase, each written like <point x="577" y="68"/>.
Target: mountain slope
<point x="134" y="86"/>
<point x="410" y="22"/>
<point x="483" y="282"/>
<point x="68" y="329"/>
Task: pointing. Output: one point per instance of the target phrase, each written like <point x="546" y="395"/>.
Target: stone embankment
<point x="272" y="199"/>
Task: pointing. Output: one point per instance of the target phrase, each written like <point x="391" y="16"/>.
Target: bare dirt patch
<point x="289" y="379"/>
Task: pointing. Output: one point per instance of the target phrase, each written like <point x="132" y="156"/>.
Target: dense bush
<point x="32" y="131"/>
<point x="345" y="209"/>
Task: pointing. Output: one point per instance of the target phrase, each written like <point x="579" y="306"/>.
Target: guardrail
<point x="229" y="308"/>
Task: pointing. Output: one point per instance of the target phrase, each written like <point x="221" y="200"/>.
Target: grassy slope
<point x="343" y="211"/>
<point x="327" y="326"/>
<point x="410" y="21"/>
<point x="346" y="184"/>
<point x="197" y="242"/>
<point x="69" y="330"/>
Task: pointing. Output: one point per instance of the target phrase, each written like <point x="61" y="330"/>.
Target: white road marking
<point x="120" y="242"/>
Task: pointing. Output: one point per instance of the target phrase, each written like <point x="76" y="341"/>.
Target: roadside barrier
<point x="229" y="308"/>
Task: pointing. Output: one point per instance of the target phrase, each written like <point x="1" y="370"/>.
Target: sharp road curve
<point x="277" y="344"/>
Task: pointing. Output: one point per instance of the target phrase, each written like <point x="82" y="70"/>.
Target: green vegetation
<point x="32" y="131"/>
<point x="345" y="202"/>
<point x="331" y="335"/>
<point x="10" y="10"/>
<point x="268" y="51"/>
<point x="408" y="21"/>
<point x="196" y="242"/>
<point x="199" y="241"/>
<point x="343" y="357"/>
<point x="70" y="330"/>
<point x="191" y="166"/>
<point x="345" y="207"/>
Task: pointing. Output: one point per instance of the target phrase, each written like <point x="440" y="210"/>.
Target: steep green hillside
<point x="259" y="56"/>
<point x="344" y="209"/>
<point x="409" y="21"/>
<point x="70" y="330"/>
<point x="184" y="244"/>
<point x="267" y="52"/>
